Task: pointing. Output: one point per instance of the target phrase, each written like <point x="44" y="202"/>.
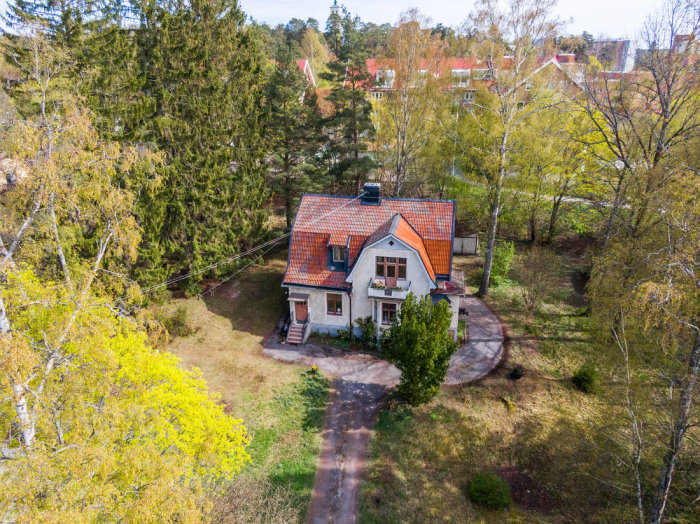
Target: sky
<point x="612" y="18"/>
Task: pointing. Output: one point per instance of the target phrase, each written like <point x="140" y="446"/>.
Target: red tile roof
<point x="405" y="232"/>
<point x="426" y="225"/>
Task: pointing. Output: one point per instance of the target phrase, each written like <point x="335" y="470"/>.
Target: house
<point x="357" y="257"/>
<point x="305" y="67"/>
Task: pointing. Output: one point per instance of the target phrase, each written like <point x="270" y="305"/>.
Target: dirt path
<point x="360" y="385"/>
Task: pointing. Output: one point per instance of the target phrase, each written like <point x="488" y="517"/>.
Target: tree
<point x="292" y="129"/>
<point x="642" y="116"/>
<point x="314" y="50"/>
<point x="187" y="79"/>
<point x="404" y="123"/>
<point x="506" y="40"/>
<point x="420" y="345"/>
<point x="117" y="430"/>
<point x="97" y="424"/>
<point x="645" y="289"/>
<point x="350" y="127"/>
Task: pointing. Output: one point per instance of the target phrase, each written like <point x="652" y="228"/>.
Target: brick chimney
<point x="566" y="58"/>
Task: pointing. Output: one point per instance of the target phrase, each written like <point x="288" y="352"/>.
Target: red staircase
<point x="295" y="334"/>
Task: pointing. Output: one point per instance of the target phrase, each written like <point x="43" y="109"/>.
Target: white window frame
<point x="458" y="77"/>
<point x="385" y="78"/>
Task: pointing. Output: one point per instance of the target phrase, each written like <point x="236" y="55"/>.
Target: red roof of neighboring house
<point x="425" y="225"/>
<point x="305" y="67"/>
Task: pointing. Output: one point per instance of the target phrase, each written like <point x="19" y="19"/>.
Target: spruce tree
<point x="350" y="127"/>
<point x="292" y="130"/>
<point x="184" y="78"/>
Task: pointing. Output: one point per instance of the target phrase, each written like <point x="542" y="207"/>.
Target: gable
<point x="427" y="226"/>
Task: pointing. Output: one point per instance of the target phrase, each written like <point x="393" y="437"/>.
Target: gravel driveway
<point x="360" y="383"/>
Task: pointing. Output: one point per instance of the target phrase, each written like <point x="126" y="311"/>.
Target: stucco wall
<point x="364" y="272"/>
<point x="362" y="305"/>
<point x="317" y="307"/>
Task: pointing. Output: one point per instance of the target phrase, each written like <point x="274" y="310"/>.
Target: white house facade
<point x="352" y="258"/>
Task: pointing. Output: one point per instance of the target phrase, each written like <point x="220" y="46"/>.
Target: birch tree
<point x="404" y="116"/>
<point x="506" y="42"/>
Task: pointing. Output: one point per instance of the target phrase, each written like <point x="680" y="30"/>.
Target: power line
<point x="211" y="290"/>
<point x="248" y="252"/>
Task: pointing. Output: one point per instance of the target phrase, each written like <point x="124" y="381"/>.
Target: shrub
<point x="345" y="335"/>
<point x="587" y="378"/>
<point x="489" y="490"/>
<point x="517" y="372"/>
<point x="500" y="266"/>
<point x="368" y="332"/>
<point x="502" y="262"/>
<point x="420" y="345"/>
<point x="178" y="324"/>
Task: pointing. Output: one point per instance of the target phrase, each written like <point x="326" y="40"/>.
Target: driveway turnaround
<point x="484" y="349"/>
<point x="360" y="384"/>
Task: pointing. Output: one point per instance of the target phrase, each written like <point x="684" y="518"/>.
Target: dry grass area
<point x="281" y="405"/>
<point x="529" y="431"/>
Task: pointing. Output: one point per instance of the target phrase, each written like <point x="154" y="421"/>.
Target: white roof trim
<point x="433" y="285"/>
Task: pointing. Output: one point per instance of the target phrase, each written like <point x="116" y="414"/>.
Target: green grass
<point x="281" y="405"/>
<point x="531" y="431"/>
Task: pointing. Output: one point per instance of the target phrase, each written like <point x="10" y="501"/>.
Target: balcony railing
<point x="378" y="289"/>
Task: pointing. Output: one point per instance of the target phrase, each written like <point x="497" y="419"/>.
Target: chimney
<point x="566" y="58"/>
<point x="371" y="194"/>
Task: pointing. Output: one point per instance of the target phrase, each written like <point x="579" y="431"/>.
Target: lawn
<point x="528" y="431"/>
<point x="281" y="405"/>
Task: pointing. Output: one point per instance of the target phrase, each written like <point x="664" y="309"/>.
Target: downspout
<point x="352" y="330"/>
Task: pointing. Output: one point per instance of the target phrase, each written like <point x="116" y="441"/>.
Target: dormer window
<point x="338" y="254"/>
<point x="481" y="74"/>
<point x="385" y="78"/>
<point x="460" y="77"/>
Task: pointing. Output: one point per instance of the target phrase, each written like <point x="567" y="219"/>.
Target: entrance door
<point x="301" y="311"/>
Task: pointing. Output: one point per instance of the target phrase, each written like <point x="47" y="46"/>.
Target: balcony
<point x="378" y="289"/>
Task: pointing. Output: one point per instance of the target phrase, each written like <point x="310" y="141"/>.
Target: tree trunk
<point x="488" y="262"/>
<point x="26" y="426"/>
<point x="553" y="219"/>
<point x="59" y="248"/>
<point x="4" y="321"/>
<point x="680" y="426"/>
<point x="532" y="226"/>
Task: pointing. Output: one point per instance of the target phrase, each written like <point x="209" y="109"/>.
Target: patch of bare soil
<point x="525" y="491"/>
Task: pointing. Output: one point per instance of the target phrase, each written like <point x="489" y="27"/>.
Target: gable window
<point x="334" y="304"/>
<point x="338" y="254"/>
<point x="388" y="313"/>
<point x="391" y="267"/>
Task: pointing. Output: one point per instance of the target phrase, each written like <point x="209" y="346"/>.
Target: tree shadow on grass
<point x="255" y="301"/>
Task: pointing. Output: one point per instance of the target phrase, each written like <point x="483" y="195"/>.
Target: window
<point x="338" y="254"/>
<point x="334" y="304"/>
<point x="391" y="267"/>
<point x="460" y="77"/>
<point x="481" y="74"/>
<point x="377" y="95"/>
<point x="388" y="313"/>
<point x="385" y="78"/>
